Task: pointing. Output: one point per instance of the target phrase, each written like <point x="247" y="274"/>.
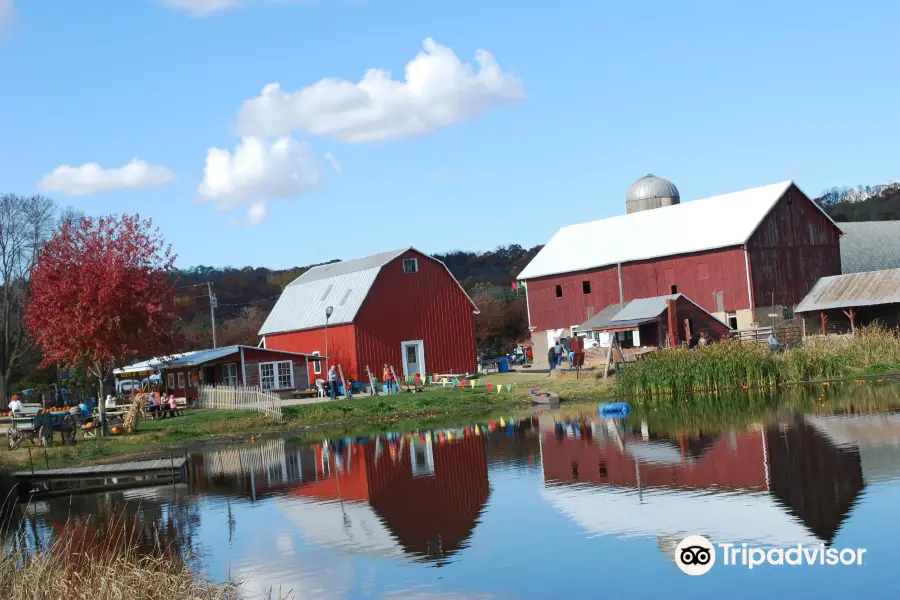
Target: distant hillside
<point x="245" y="296"/>
<point x="878" y="203"/>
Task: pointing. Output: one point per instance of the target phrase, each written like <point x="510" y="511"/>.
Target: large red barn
<point x="400" y="308"/>
<point x="741" y="256"/>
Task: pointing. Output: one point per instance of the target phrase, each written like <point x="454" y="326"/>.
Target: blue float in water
<point x="615" y="409"/>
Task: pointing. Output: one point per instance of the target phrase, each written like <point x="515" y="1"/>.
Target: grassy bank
<point x="730" y="365"/>
<point x="79" y="568"/>
<point x="363" y="414"/>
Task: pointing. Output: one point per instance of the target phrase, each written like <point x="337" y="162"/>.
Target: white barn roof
<point x="342" y="285"/>
<point x="696" y="226"/>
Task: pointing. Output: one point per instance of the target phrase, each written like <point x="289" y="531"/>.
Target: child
<point x="388" y="379"/>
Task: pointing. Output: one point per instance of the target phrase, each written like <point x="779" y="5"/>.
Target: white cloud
<point x="445" y="175"/>
<point x="201" y="8"/>
<point x="256" y="214"/>
<point x="258" y="171"/>
<point x="439" y="90"/>
<point x="91" y="178"/>
<point x="333" y="163"/>
<point x="7" y="15"/>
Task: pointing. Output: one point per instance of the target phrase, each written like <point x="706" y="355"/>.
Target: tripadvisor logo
<point x="696" y="555"/>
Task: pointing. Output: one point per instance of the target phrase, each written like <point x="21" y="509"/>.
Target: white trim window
<point x="317" y="365"/>
<point x="170" y="381"/>
<point x="181" y="380"/>
<point x="410" y="265"/>
<point x="278" y="375"/>
<point x="229" y="374"/>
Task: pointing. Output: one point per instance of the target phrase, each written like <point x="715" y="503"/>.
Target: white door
<point x="413" y="357"/>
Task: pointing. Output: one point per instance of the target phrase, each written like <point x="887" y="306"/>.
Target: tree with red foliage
<point x="102" y="295"/>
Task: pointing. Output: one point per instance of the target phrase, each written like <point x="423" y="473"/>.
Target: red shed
<point x="182" y="374"/>
<point x="400" y="308"/>
<point x="740" y="256"/>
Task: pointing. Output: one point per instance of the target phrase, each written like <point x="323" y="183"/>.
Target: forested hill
<point x="879" y="203"/>
<point x="245" y="296"/>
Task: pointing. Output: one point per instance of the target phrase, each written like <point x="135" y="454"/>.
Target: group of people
<point x="334" y="382"/>
<point x="557" y="353"/>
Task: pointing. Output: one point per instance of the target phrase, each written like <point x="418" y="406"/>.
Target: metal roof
<point x="601" y="318"/>
<point x="651" y="186"/>
<point x="189" y="359"/>
<point x="343" y="286"/>
<point x="854" y="289"/>
<point x="345" y="267"/>
<point x="696" y="226"/>
<point x="870" y="246"/>
<point x="636" y="312"/>
<point x="302" y="304"/>
<point x="644" y="308"/>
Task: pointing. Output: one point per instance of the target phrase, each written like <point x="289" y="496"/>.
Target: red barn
<point x="400" y="308"/>
<point x="741" y="256"/>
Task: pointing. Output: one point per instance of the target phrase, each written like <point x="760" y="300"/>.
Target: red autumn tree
<point x="102" y="295"/>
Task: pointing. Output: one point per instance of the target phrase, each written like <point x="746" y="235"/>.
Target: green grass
<point x="729" y="365"/>
<point x="198" y="425"/>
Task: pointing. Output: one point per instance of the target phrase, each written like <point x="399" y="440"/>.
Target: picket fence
<point x="240" y="398"/>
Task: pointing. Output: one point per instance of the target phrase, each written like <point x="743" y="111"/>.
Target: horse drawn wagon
<point x="39" y="428"/>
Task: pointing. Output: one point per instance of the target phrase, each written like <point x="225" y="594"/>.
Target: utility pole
<point x="212" y="310"/>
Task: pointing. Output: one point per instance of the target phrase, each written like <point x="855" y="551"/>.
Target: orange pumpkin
<point x="116" y="430"/>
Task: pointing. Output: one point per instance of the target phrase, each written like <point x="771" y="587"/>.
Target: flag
<point x="515" y="286"/>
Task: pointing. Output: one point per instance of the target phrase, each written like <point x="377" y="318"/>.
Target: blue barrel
<point x="615" y="409"/>
<point x="504" y="365"/>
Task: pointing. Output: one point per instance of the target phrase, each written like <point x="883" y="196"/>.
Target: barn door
<point x="413" y="353"/>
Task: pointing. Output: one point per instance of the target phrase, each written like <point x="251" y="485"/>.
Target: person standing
<point x="551" y="357"/>
<point x="16" y="405"/>
<point x="388" y="379"/>
<point x="558" y="349"/>
<point x="333" y="382"/>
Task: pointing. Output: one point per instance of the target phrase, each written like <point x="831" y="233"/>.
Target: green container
<point x="618" y="368"/>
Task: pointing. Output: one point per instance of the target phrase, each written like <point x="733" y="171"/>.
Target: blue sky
<point x="584" y="98"/>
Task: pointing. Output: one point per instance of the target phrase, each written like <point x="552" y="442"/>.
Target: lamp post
<point x="328" y="312"/>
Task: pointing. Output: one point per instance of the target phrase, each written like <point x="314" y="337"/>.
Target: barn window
<point x="673" y="289"/>
<point x="229" y="374"/>
<point x="170" y="380"/>
<point x="731" y="317"/>
<point x="788" y="313"/>
<point x="276" y="375"/>
<point x="559" y="291"/>
<point x="410" y="265"/>
<point x="586" y="287"/>
<point x="181" y="381"/>
<point x="317" y="365"/>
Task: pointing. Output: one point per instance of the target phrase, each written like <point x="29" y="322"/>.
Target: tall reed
<point x="81" y="565"/>
<point x="733" y="364"/>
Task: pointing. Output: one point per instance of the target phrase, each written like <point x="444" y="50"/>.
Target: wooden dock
<point x="165" y="466"/>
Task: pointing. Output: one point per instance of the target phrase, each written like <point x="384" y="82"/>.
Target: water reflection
<point x="372" y="516"/>
<point x="793" y="482"/>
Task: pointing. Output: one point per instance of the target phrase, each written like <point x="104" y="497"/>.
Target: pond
<point x="549" y="505"/>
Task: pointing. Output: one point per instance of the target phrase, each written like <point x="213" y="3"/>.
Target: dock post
<point x="46" y="460"/>
<point x="31" y="460"/>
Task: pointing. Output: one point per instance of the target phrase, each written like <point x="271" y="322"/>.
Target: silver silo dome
<point x="649" y="192"/>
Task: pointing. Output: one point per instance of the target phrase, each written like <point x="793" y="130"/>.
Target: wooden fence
<point x="789" y="335"/>
<point x="240" y="398"/>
